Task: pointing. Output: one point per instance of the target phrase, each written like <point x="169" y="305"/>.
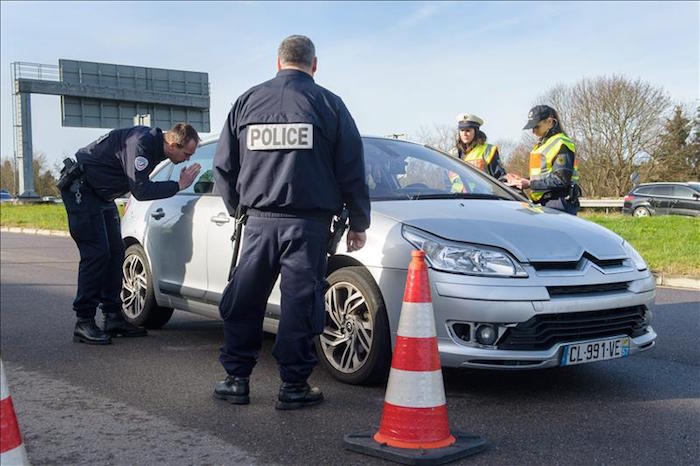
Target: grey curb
<point x="677" y="281"/>
<point x="35" y="231"/>
<point x="672" y="281"/>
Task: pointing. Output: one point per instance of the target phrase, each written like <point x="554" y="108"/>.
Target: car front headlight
<point x="635" y="256"/>
<point x="465" y="258"/>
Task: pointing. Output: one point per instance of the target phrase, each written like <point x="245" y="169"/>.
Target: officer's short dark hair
<point x="181" y="134"/>
<point x="297" y="50"/>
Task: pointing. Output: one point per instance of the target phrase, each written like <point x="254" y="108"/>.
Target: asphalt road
<point x="148" y="400"/>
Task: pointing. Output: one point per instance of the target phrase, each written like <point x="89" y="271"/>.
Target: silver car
<point x="513" y="285"/>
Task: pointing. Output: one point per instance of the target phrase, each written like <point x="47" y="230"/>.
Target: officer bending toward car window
<point x="553" y="168"/>
<point x="290" y="155"/>
<point x="118" y="162"/>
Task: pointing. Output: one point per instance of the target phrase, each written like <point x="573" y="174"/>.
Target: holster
<point x="338" y="226"/>
<point x="70" y="172"/>
<point x="574" y="193"/>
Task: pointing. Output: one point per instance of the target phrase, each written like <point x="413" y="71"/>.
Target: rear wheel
<point x="139" y="304"/>
<point x="641" y="212"/>
<point x="355" y="345"/>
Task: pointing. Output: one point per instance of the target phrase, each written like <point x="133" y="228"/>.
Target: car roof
<point x="678" y="183"/>
<point x="213" y="139"/>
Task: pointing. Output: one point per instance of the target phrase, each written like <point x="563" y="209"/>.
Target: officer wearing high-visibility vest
<point x="554" y="175"/>
<point x="471" y="146"/>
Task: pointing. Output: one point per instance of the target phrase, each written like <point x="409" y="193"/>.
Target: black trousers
<point x="95" y="227"/>
<point x="296" y="249"/>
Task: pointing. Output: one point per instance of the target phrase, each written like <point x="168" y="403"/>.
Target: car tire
<point x="343" y="345"/>
<point x="139" y="304"/>
<point x="641" y="212"/>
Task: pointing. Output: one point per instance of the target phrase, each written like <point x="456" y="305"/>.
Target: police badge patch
<point x="280" y="136"/>
<point x="140" y="163"/>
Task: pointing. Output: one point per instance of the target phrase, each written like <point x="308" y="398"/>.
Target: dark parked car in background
<point x="663" y="199"/>
<point x="5" y="196"/>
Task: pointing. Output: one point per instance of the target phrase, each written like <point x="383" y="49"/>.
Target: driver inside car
<point x="376" y="172"/>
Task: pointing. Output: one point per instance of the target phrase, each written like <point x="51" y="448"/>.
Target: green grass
<point x="44" y="216"/>
<point x="669" y="244"/>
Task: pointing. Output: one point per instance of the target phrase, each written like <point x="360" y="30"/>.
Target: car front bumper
<point x="456" y="355"/>
<point x="509" y="302"/>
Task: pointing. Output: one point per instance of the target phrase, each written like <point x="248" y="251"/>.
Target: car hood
<point x="530" y="232"/>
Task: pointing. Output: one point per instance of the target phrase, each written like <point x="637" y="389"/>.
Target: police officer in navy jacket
<point x="118" y="162"/>
<point x="290" y="155"/>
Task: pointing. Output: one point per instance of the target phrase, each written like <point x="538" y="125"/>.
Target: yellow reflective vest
<point x="542" y="158"/>
<point x="481" y="156"/>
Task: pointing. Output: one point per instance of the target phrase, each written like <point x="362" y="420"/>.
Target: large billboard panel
<point x="96" y="113"/>
<point x="157" y="92"/>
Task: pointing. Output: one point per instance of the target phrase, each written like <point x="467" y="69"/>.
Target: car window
<point x="398" y="170"/>
<point x="662" y="190"/>
<point x="204" y="183"/>
<point x="164" y="173"/>
<point x="682" y="191"/>
<point x="643" y="191"/>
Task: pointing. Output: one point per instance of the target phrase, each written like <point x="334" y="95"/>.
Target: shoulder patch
<point x="280" y="136"/>
<point x="140" y="163"/>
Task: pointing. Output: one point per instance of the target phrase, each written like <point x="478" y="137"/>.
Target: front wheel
<point x="355" y="345"/>
<point x="139" y="304"/>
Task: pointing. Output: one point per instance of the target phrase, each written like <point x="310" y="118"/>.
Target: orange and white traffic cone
<point x="414" y="427"/>
<point x="12" y="450"/>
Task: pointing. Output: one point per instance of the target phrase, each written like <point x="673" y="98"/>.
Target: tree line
<point x="626" y="132"/>
<point x="44" y="179"/>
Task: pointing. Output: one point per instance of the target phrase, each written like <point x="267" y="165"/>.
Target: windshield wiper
<point x="457" y="196"/>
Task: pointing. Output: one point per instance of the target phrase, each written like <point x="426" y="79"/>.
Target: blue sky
<point x="398" y="66"/>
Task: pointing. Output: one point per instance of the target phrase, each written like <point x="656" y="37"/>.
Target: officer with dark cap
<point x="553" y="168"/>
<point x="289" y="155"/>
<point x="118" y="162"/>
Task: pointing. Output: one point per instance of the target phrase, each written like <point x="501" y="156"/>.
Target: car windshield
<point x="399" y="170"/>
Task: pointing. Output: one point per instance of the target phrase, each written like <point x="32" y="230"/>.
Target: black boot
<point x="234" y="389"/>
<point x="298" y="395"/>
<point x="116" y="326"/>
<point x="86" y="331"/>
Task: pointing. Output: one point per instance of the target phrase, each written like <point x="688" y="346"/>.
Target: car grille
<point x="586" y="289"/>
<point x="543" y="331"/>
<point x="573" y="265"/>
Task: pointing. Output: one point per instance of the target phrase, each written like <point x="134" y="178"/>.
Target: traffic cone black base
<point x="466" y="444"/>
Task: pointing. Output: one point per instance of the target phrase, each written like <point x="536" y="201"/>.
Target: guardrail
<point x="603" y="202"/>
<point x="608" y="203"/>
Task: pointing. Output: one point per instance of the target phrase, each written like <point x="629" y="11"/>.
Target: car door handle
<point x="221" y="219"/>
<point x="158" y="214"/>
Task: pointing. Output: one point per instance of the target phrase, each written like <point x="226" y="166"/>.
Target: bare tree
<point x="616" y="124"/>
<point x="439" y="136"/>
<point x="518" y="159"/>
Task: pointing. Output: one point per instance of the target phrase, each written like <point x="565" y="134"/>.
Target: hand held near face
<point x="188" y="175"/>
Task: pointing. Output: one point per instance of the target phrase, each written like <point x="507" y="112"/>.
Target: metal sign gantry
<point x="103" y="95"/>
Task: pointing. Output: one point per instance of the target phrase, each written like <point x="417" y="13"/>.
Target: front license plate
<point x="595" y="351"/>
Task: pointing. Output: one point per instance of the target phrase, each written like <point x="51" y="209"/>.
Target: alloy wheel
<point x="347" y="337"/>
<point x="641" y="212"/>
<point x="134" y="286"/>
